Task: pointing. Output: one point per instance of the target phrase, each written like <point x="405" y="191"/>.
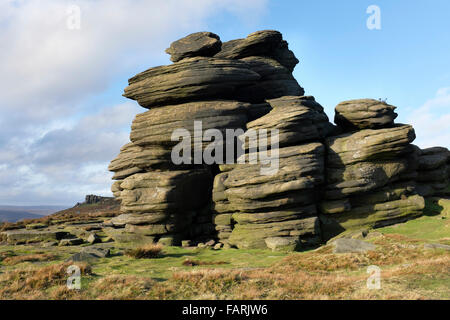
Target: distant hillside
<point x="17" y="213"/>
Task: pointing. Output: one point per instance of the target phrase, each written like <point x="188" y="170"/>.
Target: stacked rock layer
<point x="309" y="180"/>
<point x="220" y="86"/>
<point x="370" y="170"/>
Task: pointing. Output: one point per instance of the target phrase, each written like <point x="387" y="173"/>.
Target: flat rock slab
<point x="24" y="236"/>
<point x="89" y="254"/>
<point x="364" y="114"/>
<point x="190" y="79"/>
<point x="345" y="245"/>
<point x="71" y="242"/>
<point x="436" y="246"/>
<point x="198" y="44"/>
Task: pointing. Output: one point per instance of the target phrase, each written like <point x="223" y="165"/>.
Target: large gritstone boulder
<point x="231" y="150"/>
<point x="199" y="44"/>
<point x="370" y="178"/>
<point x="364" y="114"/>
<point x="266" y="43"/>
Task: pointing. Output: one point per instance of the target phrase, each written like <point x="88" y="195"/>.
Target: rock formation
<point x="327" y="179"/>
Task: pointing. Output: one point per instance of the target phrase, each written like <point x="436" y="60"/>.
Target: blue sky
<point x="63" y="116"/>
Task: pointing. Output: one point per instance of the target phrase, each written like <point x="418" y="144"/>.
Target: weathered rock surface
<point x="165" y="192"/>
<point x="314" y="182"/>
<point x="155" y="127"/>
<point x="297" y="118"/>
<point x="276" y="81"/>
<point x="266" y="43"/>
<point x="22" y="236"/>
<point x="370" y="145"/>
<point x="276" y="205"/>
<point x="345" y="245"/>
<point x="189" y="79"/>
<point x="364" y="114"/>
<point x="433" y="178"/>
<point x="199" y="44"/>
<point x="90" y="254"/>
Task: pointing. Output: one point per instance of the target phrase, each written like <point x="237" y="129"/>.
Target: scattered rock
<point x="186" y="243"/>
<point x="436" y="246"/>
<point x="199" y="44"/>
<point x="93" y="238"/>
<point x="33" y="226"/>
<point x="49" y="244"/>
<point x="345" y="245"/>
<point x="89" y="254"/>
<point x="71" y="242"/>
<point x="281" y="244"/>
<point x="27" y="236"/>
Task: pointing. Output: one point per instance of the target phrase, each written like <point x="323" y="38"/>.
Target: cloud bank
<point x="57" y="135"/>
<point x="432" y="121"/>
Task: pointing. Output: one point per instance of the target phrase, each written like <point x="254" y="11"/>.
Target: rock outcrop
<point x="370" y="171"/>
<point x="285" y="178"/>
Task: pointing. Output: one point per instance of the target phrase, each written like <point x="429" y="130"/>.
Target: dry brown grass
<point x="75" y="214"/>
<point x="13" y="260"/>
<point x="192" y="263"/>
<point x="31" y="283"/>
<point x="407" y="272"/>
<point x="148" y="251"/>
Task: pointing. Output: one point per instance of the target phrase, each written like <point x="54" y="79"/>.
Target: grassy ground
<point x="408" y="270"/>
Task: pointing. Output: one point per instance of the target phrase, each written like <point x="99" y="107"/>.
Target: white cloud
<point x="65" y="164"/>
<point x="55" y="139"/>
<point x="48" y="65"/>
<point x="432" y="121"/>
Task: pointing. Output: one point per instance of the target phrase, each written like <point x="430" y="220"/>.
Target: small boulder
<point x="89" y="254"/>
<point x="199" y="44"/>
<point x="34" y="226"/>
<point x="186" y="243"/>
<point x="281" y="244"/>
<point x="93" y="238"/>
<point x="345" y="245"/>
<point x="71" y="242"/>
<point x="218" y="246"/>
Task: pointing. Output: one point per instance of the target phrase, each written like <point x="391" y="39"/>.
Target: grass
<point x="408" y="271"/>
<point x="192" y="263"/>
<point x="148" y="251"/>
<point x="433" y="226"/>
<point x="13" y="260"/>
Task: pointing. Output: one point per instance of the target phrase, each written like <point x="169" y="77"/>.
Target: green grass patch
<point x="172" y="259"/>
<point x="433" y="226"/>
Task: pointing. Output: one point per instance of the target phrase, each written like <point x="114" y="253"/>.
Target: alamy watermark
<point x="73" y="21"/>
<point x="262" y="146"/>
<point x="374" y="20"/>
<point x="374" y="280"/>
<point x="74" y="279"/>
